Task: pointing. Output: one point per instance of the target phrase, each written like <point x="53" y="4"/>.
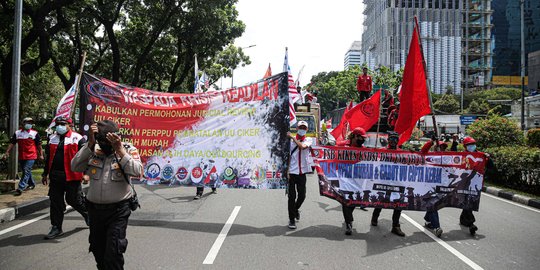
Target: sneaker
<point x="18" y="192"/>
<point x="198" y="196"/>
<point x="473" y="229"/>
<point x="292" y="225"/>
<point x="297" y="218"/>
<point x="397" y="231"/>
<point x="438" y="232"/>
<point x="348" y="229"/>
<point x="55" y="232"/>
<point x="30" y="187"/>
<point x="428" y="225"/>
<point x="374" y="222"/>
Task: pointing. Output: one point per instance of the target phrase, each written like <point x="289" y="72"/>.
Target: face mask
<point x="27" y="126"/>
<point x="106" y="148"/>
<point x="359" y="142"/>
<point x="61" y="130"/>
<point x="302" y="132"/>
<point x="471" y="148"/>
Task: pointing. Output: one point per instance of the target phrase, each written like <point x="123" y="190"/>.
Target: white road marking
<point x="212" y="254"/>
<point x="511" y="202"/>
<point x="454" y="251"/>
<point x="28" y="222"/>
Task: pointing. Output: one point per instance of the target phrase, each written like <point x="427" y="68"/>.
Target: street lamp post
<point x="522" y="4"/>
<point x="232" y="71"/>
<point x="15" y="85"/>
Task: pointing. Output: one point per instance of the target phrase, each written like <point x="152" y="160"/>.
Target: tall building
<point x="388" y="27"/>
<point x="352" y="57"/>
<point x="507" y="35"/>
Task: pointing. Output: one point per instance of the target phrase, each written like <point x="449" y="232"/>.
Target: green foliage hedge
<point x="533" y="137"/>
<point x="518" y="167"/>
<point x="495" y="131"/>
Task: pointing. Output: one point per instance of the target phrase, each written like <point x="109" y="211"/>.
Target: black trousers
<point x="200" y="190"/>
<point x="347" y="213"/>
<point x="467" y="218"/>
<point x="108" y="224"/>
<point x="364" y="95"/>
<point x="395" y="216"/>
<point x="297" y="183"/>
<point x="71" y="190"/>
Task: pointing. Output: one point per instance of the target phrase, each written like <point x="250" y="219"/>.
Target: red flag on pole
<point x="365" y="114"/>
<point x="414" y="99"/>
<point x="268" y="72"/>
<point x="339" y="131"/>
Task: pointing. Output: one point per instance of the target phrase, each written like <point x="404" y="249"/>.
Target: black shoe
<point x="374" y="222"/>
<point x="18" y="192"/>
<point x="292" y="225"/>
<point x="473" y="229"/>
<point x="198" y="196"/>
<point x="297" y="216"/>
<point x="87" y="220"/>
<point x="30" y="187"/>
<point x="348" y="228"/>
<point x="55" y="232"/>
<point x="397" y="231"/>
<point x="363" y="208"/>
<point x="214" y="191"/>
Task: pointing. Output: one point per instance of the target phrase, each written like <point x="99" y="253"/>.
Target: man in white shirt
<point x="299" y="166"/>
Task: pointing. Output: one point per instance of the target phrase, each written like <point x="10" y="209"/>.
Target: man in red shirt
<point x="29" y="150"/>
<point x="364" y="85"/>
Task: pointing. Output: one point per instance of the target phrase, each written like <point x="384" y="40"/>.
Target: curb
<point x="11" y="213"/>
<point x="505" y="194"/>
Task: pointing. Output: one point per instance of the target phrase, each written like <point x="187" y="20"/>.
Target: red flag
<point x="268" y="72"/>
<point x="365" y="114"/>
<point x="207" y="179"/>
<point x="341" y="129"/>
<point x="414" y="97"/>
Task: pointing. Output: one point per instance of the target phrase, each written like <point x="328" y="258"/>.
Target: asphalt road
<point x="172" y="231"/>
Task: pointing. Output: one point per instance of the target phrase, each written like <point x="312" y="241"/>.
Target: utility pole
<point x="466" y="88"/>
<point x="522" y="5"/>
<point x="15" y="86"/>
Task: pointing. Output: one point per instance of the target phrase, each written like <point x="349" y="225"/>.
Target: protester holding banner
<point x="432" y="216"/>
<point x="356" y="138"/>
<point x="299" y="166"/>
<point x="393" y="139"/>
<point x="62" y="181"/>
<point x="364" y="85"/>
<point x="29" y="150"/>
<point x="109" y="164"/>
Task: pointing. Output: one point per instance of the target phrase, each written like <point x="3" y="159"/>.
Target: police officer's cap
<point x="106" y="126"/>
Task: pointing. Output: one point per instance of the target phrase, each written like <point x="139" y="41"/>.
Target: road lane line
<point x="212" y="254"/>
<point x="454" y="251"/>
<point x="28" y="222"/>
<point x="511" y="202"/>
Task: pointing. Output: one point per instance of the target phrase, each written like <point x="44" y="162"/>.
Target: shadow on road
<point x="19" y="240"/>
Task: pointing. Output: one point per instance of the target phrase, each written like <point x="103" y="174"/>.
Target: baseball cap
<point x="63" y="120"/>
<point x="302" y="123"/>
<point x="359" y="131"/>
<point x="28" y="120"/>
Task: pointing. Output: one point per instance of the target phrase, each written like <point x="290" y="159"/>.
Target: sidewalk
<point x="12" y="207"/>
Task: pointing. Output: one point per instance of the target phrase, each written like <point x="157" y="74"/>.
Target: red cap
<point x="359" y="131"/>
<point x="469" y="140"/>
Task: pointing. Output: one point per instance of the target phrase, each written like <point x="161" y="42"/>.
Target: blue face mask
<point x="27" y="126"/>
<point x="471" y="148"/>
<point x="302" y="132"/>
<point x="61" y="130"/>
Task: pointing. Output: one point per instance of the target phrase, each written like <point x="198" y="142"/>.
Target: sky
<point x="318" y="33"/>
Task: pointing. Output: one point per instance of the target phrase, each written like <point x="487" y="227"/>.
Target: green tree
<point x="495" y="131"/>
<point x="478" y="107"/>
<point x="447" y="103"/>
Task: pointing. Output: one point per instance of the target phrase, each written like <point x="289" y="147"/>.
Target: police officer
<point x="63" y="182"/>
<point x="393" y="139"/>
<point x="108" y="163"/>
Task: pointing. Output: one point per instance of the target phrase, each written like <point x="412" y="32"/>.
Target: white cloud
<point x="318" y="33"/>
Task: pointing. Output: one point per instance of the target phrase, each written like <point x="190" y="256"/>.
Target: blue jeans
<point x="433" y="217"/>
<point x="26" y="178"/>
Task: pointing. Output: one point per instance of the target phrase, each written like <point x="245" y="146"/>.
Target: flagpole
<point x="379" y="121"/>
<point x="78" y="81"/>
<point x="427" y="84"/>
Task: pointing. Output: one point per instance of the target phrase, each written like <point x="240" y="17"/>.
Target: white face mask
<point x="61" y="130"/>
<point x="27" y="126"/>
<point x="302" y="132"/>
<point x="471" y="148"/>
